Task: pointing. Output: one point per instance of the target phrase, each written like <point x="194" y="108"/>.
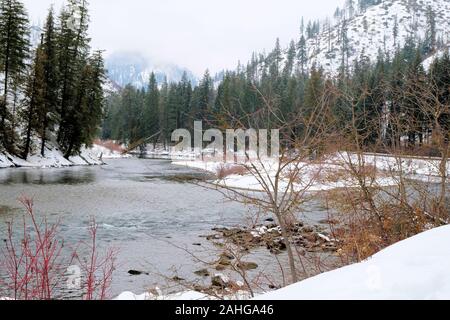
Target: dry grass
<point x="109" y="144"/>
<point x="229" y="170"/>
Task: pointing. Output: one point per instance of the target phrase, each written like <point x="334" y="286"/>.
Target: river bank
<point x="413" y="269"/>
<point x="54" y="158"/>
<point x="144" y="208"/>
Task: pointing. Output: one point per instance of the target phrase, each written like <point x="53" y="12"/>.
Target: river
<point x="145" y="208"/>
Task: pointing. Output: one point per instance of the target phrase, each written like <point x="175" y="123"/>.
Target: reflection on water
<point x="64" y="176"/>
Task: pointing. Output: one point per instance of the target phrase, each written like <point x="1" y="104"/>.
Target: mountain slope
<point x="373" y="30"/>
<point x="133" y="68"/>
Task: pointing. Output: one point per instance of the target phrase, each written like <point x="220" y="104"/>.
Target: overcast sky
<point x="196" y="34"/>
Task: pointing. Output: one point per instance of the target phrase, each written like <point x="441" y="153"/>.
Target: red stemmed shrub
<point x="33" y="265"/>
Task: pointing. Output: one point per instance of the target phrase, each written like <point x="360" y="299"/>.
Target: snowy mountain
<point x="110" y="87"/>
<point x="135" y="69"/>
<point x="384" y="27"/>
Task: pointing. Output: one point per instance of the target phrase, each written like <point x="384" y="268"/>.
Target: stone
<point x="202" y="273"/>
<point x="137" y="273"/>
<point x="247" y="265"/>
<point x="220" y="281"/>
<point x="221" y="267"/>
<point x="178" y="279"/>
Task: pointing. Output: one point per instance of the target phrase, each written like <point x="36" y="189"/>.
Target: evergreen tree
<point x="47" y="114"/>
<point x="92" y="106"/>
<point x="186" y="97"/>
<point x="395" y="30"/>
<point x="151" y="109"/>
<point x="290" y="59"/>
<point x="439" y="76"/>
<point x="302" y="55"/>
<point x="35" y="99"/>
<point x="14" y="46"/>
<point x="431" y="40"/>
<point x="73" y="47"/>
<point x="203" y="99"/>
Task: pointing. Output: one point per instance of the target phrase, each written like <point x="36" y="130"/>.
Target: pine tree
<point x="313" y="99"/>
<point x="47" y="114"/>
<point x="163" y="113"/>
<point x="431" y="30"/>
<point x="395" y="30"/>
<point x="36" y="89"/>
<point x="345" y="48"/>
<point x="186" y="97"/>
<point x="73" y="47"/>
<point x="203" y="99"/>
<point x="151" y="112"/>
<point x="415" y="81"/>
<point x="275" y="58"/>
<point x="14" y="46"/>
<point x="290" y="59"/>
<point x="302" y="55"/>
<point x="92" y="107"/>
<point x="439" y="76"/>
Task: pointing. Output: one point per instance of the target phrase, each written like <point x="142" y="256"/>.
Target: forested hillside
<point x="52" y="93"/>
<point x="379" y="87"/>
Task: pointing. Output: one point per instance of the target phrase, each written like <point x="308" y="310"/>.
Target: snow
<point x="55" y="159"/>
<point x="5" y="162"/>
<point x="413" y="167"/>
<point x="313" y="176"/>
<point x="416" y="268"/>
<point x="413" y="269"/>
<point x="325" y="50"/>
<point x="187" y="295"/>
<point x="430" y="60"/>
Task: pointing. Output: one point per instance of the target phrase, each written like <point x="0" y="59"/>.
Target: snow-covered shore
<point x="54" y="158"/>
<point x="322" y="176"/>
<point x="413" y="269"/>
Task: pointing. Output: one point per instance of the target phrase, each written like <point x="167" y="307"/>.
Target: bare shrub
<point x="35" y="265"/>
<point x="226" y="170"/>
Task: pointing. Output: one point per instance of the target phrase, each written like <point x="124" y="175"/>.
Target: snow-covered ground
<point x="416" y="268"/>
<point x="102" y="152"/>
<point x="187" y="295"/>
<point x="438" y="55"/>
<point x="413" y="269"/>
<point x="372" y="31"/>
<point x="54" y="158"/>
<point x="324" y="176"/>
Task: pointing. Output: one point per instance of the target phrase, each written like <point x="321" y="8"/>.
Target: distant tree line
<point x="378" y="95"/>
<point x="51" y="92"/>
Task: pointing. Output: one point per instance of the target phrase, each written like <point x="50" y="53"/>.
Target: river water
<point x="147" y="209"/>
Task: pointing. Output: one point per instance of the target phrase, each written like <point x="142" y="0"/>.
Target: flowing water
<point x="147" y="209"/>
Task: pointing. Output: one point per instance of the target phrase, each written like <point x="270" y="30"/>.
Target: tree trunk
<point x="43" y="138"/>
<point x="28" y="138"/>
<point x="290" y="252"/>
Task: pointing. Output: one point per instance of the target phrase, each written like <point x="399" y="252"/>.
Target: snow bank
<point x="5" y="162"/>
<point x="102" y="152"/>
<point x="53" y="159"/>
<point x="413" y="269"/>
<point x="430" y="60"/>
<point x="313" y="177"/>
<point x="414" y="167"/>
<point x="187" y="295"/>
<point x="416" y="268"/>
